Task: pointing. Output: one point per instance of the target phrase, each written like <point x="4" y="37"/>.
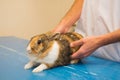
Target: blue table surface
<point x="13" y="58"/>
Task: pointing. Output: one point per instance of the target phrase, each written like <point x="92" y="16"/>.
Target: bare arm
<point x="90" y="44"/>
<point x="110" y="38"/>
<point x="70" y="18"/>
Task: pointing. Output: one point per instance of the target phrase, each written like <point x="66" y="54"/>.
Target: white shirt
<point x="99" y="17"/>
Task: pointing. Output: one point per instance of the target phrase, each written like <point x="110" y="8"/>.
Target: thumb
<point x="77" y="43"/>
<point x="77" y="55"/>
<point x="74" y="56"/>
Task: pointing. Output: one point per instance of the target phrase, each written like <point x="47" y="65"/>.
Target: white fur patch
<point x="29" y="65"/>
<point x="52" y="55"/>
<point x="40" y="68"/>
<point x="28" y="48"/>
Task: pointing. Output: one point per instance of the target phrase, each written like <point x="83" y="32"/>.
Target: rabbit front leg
<point x="29" y="65"/>
<point x="40" y="68"/>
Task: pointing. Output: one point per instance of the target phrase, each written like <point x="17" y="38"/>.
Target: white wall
<point x="25" y="18"/>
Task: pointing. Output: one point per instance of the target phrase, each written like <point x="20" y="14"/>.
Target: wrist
<point x="105" y="39"/>
<point x="102" y="40"/>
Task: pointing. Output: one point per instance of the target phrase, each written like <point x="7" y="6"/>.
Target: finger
<point x="87" y="54"/>
<point x="76" y="55"/>
<point x="56" y="31"/>
<point x="76" y="43"/>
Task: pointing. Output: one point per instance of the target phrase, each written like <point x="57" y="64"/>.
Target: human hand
<point x="61" y="29"/>
<point x="88" y="46"/>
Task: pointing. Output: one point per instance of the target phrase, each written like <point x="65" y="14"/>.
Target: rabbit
<point x="50" y="50"/>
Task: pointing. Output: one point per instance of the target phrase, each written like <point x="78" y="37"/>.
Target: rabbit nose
<point x="29" y="51"/>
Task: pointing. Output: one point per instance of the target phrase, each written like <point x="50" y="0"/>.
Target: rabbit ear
<point x="56" y="36"/>
<point x="49" y="33"/>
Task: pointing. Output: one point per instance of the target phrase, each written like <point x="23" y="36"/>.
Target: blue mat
<point x="13" y="58"/>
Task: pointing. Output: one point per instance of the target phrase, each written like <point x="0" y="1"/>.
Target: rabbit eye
<point x="39" y="41"/>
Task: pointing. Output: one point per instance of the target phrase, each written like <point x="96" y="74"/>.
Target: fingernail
<point x="71" y="45"/>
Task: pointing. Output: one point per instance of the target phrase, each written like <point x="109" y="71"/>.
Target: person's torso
<point x="99" y="17"/>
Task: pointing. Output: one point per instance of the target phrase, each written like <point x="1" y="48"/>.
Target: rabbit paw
<point x="29" y="65"/>
<point x="40" y="68"/>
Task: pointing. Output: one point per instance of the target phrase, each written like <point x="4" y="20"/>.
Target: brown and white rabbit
<point x="50" y="50"/>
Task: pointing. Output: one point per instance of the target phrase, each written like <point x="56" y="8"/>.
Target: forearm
<point x="72" y="15"/>
<point x="110" y="38"/>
